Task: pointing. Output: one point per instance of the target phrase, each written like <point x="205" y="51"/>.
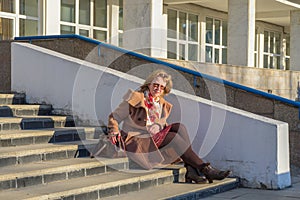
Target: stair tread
<point x="11" y="95"/>
<point x="33" y="117"/>
<point x="86" y="184"/>
<point x="26" y="106"/>
<point x="11" y="134"/>
<point x="167" y="191"/>
<point x="46" y="167"/>
<point x="40" y="148"/>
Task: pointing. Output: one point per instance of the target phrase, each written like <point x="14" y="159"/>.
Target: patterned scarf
<point x="154" y="108"/>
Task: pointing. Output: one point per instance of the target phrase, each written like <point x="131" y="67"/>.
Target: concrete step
<point x="110" y="184"/>
<point x="36" y="173"/>
<point x="44" y="152"/>
<point x="98" y="186"/>
<point x="18" y="98"/>
<point x="35" y="122"/>
<point x="21" y="109"/>
<point x="52" y="135"/>
<point x="179" y="191"/>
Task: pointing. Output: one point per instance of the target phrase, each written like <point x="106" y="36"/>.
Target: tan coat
<point x="139" y="145"/>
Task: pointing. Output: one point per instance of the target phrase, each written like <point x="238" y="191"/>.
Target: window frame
<point x="186" y="41"/>
<point x="269" y="55"/>
<point x="90" y="28"/>
<point x="219" y="47"/>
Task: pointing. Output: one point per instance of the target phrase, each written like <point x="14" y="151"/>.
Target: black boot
<point x="193" y="175"/>
<point x="213" y="174"/>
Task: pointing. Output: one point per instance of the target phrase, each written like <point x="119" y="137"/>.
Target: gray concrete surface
<point x="291" y="193"/>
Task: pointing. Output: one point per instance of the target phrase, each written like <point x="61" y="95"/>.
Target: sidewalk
<point x="292" y="193"/>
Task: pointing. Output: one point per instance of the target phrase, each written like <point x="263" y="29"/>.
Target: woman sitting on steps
<point x="146" y="137"/>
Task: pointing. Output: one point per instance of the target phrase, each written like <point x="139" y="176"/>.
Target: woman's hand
<point x="114" y="136"/>
<point x="153" y="129"/>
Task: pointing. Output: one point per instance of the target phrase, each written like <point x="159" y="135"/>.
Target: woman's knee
<point x="176" y="127"/>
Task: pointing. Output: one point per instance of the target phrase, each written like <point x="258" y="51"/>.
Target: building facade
<point x="254" y="33"/>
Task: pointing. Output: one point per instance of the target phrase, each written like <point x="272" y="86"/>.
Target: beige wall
<point x="279" y="82"/>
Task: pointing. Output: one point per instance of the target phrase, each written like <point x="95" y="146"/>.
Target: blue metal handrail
<point x="154" y="60"/>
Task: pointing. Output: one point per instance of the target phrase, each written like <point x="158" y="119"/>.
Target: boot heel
<point x="188" y="180"/>
<point x="210" y="180"/>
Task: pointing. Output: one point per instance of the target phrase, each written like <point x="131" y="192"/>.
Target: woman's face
<point x="157" y="86"/>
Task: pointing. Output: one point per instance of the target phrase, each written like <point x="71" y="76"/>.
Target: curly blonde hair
<point x="158" y="73"/>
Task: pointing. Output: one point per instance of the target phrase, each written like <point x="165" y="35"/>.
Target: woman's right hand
<point x="114" y="137"/>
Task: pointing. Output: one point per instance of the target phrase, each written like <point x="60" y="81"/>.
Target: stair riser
<point x="9" y="101"/>
<point x="123" y="188"/>
<point x="35" y="124"/>
<point x="16" y="182"/>
<point x="58" y="136"/>
<point x="208" y="192"/>
<point x="8" y="112"/>
<point x="15" y="160"/>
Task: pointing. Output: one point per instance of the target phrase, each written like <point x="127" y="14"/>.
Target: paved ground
<point x="292" y="193"/>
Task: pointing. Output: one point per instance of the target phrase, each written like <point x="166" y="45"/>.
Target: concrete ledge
<point x="255" y="148"/>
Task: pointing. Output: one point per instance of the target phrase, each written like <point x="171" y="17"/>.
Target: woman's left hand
<point x="155" y="128"/>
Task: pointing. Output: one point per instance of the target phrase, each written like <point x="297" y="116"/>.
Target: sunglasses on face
<point x="156" y="86"/>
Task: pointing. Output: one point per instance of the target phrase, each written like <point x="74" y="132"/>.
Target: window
<point x="84" y="12"/>
<point x="67" y="10"/>
<point x="6" y="29"/>
<point x="28" y="27"/>
<point x="29" y="7"/>
<point x="256" y="44"/>
<point x="120" y="23"/>
<point x="183" y="36"/>
<point x="287" y="52"/>
<point x="216" y="41"/>
<point x="25" y="16"/>
<point x="91" y="22"/>
<point x="7" y="6"/>
<point x="271" y="54"/>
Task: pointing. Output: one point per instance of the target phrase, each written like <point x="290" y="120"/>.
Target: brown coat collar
<point x="136" y="99"/>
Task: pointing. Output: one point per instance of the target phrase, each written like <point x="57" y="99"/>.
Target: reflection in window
<point x="7" y="6"/>
<point x="120" y="34"/>
<point x="193" y="52"/>
<point x="224" y="56"/>
<point x="84" y="12"/>
<point x="181" y="52"/>
<point x="100" y="13"/>
<point x="100" y="35"/>
<point x="224" y="33"/>
<point x="28" y="27"/>
<point x="67" y="29"/>
<point x="266" y="41"/>
<point x="84" y="32"/>
<point x="120" y="14"/>
<point x="67" y="10"/>
<point x="208" y="54"/>
<point x="172" y="23"/>
<point x="6" y="29"/>
<point x="29" y="7"/>
<point x="193" y="27"/>
<point x="172" y="50"/>
<point x="182" y="26"/>
<point x="209" y="30"/>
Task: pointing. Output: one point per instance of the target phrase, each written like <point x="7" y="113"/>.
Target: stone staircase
<point x="47" y="157"/>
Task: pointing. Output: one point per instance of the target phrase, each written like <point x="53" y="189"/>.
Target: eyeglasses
<point x="156" y="85"/>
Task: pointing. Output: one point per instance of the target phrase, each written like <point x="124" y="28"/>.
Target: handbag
<point x="104" y="148"/>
